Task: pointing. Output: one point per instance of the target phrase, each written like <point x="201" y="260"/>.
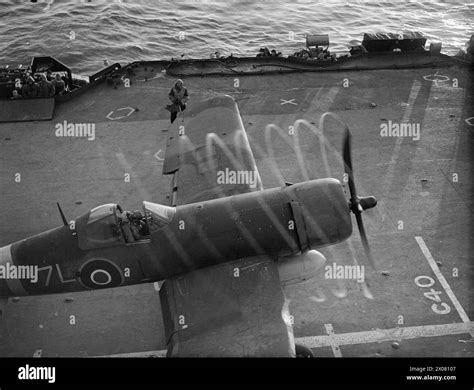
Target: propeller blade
<point x="357" y="205"/>
<point x="364" y="240"/>
<point x="346" y="155"/>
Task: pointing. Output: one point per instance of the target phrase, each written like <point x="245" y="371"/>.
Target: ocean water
<point x="83" y="34"/>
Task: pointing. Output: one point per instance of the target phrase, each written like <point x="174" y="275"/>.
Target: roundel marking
<point x="97" y="280"/>
<point x="100" y="273"/>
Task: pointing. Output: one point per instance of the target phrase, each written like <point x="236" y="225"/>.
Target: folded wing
<point x="209" y="154"/>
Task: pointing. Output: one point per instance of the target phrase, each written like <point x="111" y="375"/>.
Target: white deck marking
<point x="385" y="335"/>
<point x="159" y="75"/>
<point x="365" y="337"/>
<point x="415" y="161"/>
<point x="156" y="354"/>
<point x="436" y="78"/>
<point x="130" y="111"/>
<point x="442" y="280"/>
<point x="38" y="353"/>
<point x="156" y="155"/>
<point x="335" y="348"/>
<point x="415" y="89"/>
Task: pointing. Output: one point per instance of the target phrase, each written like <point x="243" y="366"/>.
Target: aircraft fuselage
<point x="277" y="222"/>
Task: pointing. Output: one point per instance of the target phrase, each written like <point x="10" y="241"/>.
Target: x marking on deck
<point x="291" y="101"/>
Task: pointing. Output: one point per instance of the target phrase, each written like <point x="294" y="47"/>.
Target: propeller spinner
<point x="357" y="204"/>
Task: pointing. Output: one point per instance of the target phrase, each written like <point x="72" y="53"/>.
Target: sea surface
<point x="83" y="34"/>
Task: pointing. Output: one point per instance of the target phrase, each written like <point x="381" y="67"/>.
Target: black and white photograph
<point x="237" y="179"/>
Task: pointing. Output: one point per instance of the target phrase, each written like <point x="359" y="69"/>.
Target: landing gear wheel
<point x="303" y="352"/>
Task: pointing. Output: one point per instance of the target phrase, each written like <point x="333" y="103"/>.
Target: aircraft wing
<point x="231" y="309"/>
<point x="235" y="309"/>
<point x="209" y="154"/>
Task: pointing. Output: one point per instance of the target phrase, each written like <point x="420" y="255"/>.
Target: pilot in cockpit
<point x="133" y="225"/>
<point x="125" y="225"/>
<point x="138" y="225"/>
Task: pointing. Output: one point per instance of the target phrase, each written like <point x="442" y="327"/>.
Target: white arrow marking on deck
<point x="38" y="353"/>
<point x="470" y="121"/>
<point x="364" y="337"/>
<point x="291" y="101"/>
<point x="131" y="110"/>
<point x="158" y="157"/>
<point x="442" y="280"/>
<point x="160" y="75"/>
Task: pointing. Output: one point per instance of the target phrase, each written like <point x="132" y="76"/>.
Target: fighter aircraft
<point x="224" y="247"/>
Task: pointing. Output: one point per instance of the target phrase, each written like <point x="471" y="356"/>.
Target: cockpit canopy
<point x="101" y="212"/>
<point x="109" y="225"/>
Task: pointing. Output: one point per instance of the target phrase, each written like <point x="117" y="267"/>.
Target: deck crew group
<point x="39" y="85"/>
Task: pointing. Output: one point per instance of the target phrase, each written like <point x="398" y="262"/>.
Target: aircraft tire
<point x="303" y="352"/>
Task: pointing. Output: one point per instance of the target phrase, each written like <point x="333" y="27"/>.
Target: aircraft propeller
<point x="357" y="204"/>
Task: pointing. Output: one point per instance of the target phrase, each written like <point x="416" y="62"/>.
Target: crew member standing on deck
<point x="46" y="88"/>
<point x="178" y="96"/>
<point x="30" y="88"/>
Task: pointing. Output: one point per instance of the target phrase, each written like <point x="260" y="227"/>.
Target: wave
<point x="126" y="32"/>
